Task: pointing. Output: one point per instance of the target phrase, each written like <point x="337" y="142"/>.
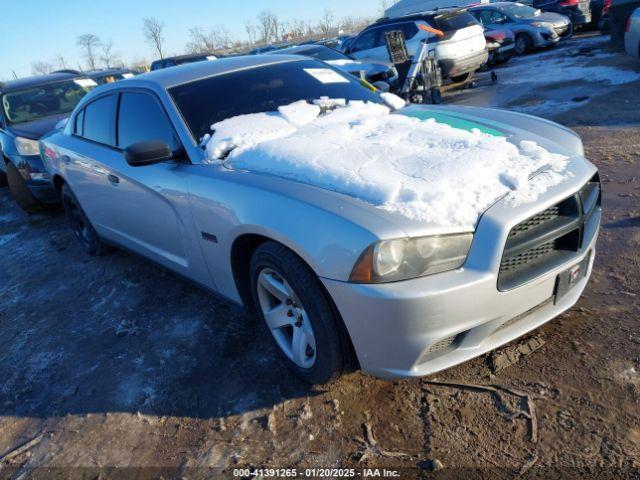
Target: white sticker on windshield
<point x="85" y="82"/>
<point x="127" y="75"/>
<point x="212" y="57"/>
<point x="326" y="75"/>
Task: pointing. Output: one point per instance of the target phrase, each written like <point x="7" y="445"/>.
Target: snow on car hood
<point x="422" y="169"/>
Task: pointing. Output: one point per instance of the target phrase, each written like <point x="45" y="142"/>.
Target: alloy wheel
<point x="521" y="46"/>
<point x="286" y="318"/>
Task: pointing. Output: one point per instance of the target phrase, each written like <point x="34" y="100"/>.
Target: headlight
<point x="26" y="146"/>
<point x="403" y="259"/>
<point x="543" y="25"/>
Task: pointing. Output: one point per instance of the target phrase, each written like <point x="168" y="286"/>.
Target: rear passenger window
<point x="79" y="122"/>
<point x="99" y="120"/>
<point x="410" y="30"/>
<point x="367" y="41"/>
<point x="141" y="118"/>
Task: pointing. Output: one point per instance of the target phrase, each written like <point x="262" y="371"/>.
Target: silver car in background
<point x="131" y="171"/>
<point x="532" y="28"/>
<point x="632" y="35"/>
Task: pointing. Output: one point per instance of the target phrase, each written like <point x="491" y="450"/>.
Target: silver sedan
<point x="337" y="281"/>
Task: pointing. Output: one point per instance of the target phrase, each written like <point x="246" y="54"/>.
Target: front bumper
<point x="42" y="190"/>
<point x="422" y="326"/>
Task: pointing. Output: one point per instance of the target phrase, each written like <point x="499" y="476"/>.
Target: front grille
<point x="549" y="238"/>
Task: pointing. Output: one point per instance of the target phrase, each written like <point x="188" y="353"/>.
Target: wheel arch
<point x="58" y="182"/>
<point x="242" y="250"/>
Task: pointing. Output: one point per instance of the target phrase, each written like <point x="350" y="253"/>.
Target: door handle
<point x="113" y="179"/>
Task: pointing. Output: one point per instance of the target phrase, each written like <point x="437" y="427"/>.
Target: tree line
<point x="266" y="28"/>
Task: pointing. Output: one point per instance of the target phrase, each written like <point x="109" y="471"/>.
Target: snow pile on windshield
<point x="424" y="170"/>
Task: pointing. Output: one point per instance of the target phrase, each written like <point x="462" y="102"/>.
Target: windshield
<point x="519" y="11"/>
<point x="34" y="103"/>
<point x="262" y="89"/>
<point x="111" y="77"/>
<point x="322" y="53"/>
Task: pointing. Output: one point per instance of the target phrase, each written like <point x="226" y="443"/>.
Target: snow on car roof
<point x="424" y="170"/>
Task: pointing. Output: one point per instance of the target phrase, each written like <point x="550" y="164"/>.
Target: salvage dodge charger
<point x="402" y="239"/>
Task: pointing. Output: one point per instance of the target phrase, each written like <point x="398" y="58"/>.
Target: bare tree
<point x="153" y="33"/>
<point x="269" y="27"/>
<point x="251" y="31"/>
<point x="41" y="68"/>
<point x="327" y="22"/>
<point x="202" y="42"/>
<point x="60" y="61"/>
<point x="108" y="57"/>
<point x="89" y="43"/>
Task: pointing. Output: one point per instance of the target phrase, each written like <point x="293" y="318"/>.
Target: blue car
<point x="32" y="107"/>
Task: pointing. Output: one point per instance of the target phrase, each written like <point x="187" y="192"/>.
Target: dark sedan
<point x="381" y="74"/>
<point x="32" y="107"/>
<point x="579" y="11"/>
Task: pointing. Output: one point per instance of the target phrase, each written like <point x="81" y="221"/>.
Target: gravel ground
<point x="112" y="367"/>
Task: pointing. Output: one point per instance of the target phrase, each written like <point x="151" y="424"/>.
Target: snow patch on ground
<point x="565" y="68"/>
<point x="6" y="238"/>
<point x="424" y="170"/>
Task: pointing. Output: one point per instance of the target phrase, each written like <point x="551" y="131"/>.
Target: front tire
<point x="290" y="301"/>
<point x="21" y="193"/>
<point x="80" y="224"/>
<point x="523" y="44"/>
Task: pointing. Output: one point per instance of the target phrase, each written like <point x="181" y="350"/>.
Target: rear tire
<point x="463" y="78"/>
<point x="21" y="193"/>
<point x="80" y="224"/>
<point x="3" y="179"/>
<point x="524" y="44"/>
<point x="289" y="293"/>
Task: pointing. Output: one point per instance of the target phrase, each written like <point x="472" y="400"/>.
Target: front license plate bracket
<point x="570" y="277"/>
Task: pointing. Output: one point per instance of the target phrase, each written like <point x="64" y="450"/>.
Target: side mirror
<point x="142" y="154"/>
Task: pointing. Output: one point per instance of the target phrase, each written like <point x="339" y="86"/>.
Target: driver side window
<point x="141" y="118"/>
<point x="366" y="41"/>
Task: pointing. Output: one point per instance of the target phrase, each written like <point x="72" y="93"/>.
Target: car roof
<point x="106" y="71"/>
<point x="188" y="56"/>
<point x="190" y="72"/>
<point x="413" y="17"/>
<point x="34" y="81"/>
<point x="300" y="48"/>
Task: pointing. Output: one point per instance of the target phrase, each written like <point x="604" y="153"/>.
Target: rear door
<point x="141" y="208"/>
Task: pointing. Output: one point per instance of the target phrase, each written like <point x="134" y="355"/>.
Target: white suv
<point x="458" y="41"/>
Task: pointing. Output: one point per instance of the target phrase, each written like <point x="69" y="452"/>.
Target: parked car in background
<point x="181" y="60"/>
<point x="455" y="35"/>
<point x="578" y="11"/>
<point x="382" y="284"/>
<point x="269" y="48"/>
<point x="32" y="107"/>
<point x="596" y="7"/>
<point x="632" y="35"/>
<point x="336" y="42"/>
<point x="604" y="23"/>
<point x="531" y="27"/>
<point x="619" y="13"/>
<point x="110" y="75"/>
<point x="501" y="43"/>
<point x="411" y="7"/>
<point x="375" y="72"/>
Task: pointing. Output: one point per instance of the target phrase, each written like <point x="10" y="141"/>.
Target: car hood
<point x="550" y="17"/>
<point x="36" y="129"/>
<point x="294" y="173"/>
